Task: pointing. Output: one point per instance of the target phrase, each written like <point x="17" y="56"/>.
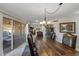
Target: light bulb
<point x="48" y="22"/>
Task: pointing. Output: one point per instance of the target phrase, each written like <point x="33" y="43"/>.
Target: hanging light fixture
<point x="45" y="22"/>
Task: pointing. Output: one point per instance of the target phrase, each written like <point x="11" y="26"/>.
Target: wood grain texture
<point x="48" y="47"/>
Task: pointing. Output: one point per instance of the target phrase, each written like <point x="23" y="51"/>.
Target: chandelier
<point x="45" y="22"/>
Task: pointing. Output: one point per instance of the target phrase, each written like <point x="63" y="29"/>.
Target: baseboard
<point x="77" y="49"/>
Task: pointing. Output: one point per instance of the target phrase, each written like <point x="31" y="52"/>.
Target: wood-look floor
<point x="48" y="47"/>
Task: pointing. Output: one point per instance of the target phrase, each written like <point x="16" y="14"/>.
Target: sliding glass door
<point x="13" y="34"/>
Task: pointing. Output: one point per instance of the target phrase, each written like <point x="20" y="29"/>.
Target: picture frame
<point x="67" y="27"/>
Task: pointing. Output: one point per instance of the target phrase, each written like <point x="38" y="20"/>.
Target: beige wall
<point x="1" y="41"/>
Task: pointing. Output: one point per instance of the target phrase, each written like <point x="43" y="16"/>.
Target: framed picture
<point x="67" y="27"/>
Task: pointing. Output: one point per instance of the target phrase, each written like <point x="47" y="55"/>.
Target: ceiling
<point x="34" y="12"/>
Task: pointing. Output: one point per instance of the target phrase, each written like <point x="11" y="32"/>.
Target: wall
<point x="27" y="32"/>
<point x="1" y="41"/>
<point x="60" y="35"/>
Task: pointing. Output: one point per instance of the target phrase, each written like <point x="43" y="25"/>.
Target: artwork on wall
<point x="67" y="27"/>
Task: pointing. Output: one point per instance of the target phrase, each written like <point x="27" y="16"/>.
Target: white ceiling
<point x="35" y="11"/>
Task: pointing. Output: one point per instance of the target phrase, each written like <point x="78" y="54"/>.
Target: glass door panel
<point x="17" y="34"/>
<point x="7" y="31"/>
